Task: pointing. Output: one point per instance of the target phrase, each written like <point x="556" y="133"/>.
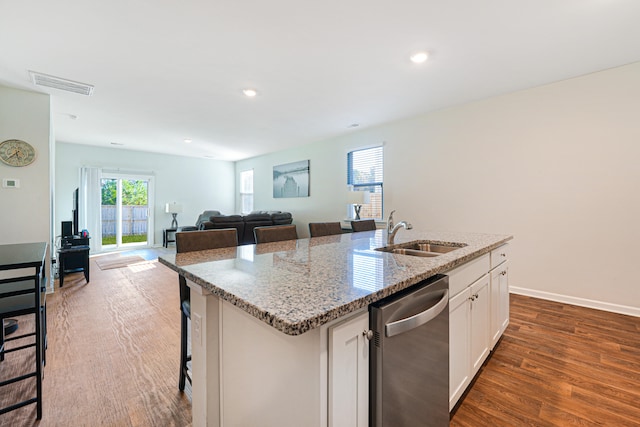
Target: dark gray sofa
<point x="244" y="225"/>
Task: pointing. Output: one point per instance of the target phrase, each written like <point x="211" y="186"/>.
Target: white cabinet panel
<point x="461" y="277"/>
<point x="459" y="345"/>
<point x="349" y="373"/>
<point x="480" y="321"/>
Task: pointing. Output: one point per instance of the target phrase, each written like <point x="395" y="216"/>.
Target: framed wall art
<point x="291" y="180"/>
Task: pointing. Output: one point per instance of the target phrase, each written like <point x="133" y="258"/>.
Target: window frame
<point x="246" y="194"/>
<point x="363" y="185"/>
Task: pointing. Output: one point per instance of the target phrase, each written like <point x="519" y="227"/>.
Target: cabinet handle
<point x="504" y="255"/>
<point x="472" y="298"/>
<point x="368" y="334"/>
<point x="503" y="272"/>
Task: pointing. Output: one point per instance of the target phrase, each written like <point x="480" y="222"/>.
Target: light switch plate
<point x="10" y="183"/>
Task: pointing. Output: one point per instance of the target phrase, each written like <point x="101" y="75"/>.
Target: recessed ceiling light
<point x="354" y="125"/>
<point x="250" y="92"/>
<point x="419" y="57"/>
<point x="187" y="141"/>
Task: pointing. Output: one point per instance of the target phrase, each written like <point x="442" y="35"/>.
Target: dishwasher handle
<point x="400" y="326"/>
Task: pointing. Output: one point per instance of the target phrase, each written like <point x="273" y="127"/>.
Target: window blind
<point x="365" y="173"/>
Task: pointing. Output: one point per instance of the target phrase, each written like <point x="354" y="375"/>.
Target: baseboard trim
<point x="582" y="302"/>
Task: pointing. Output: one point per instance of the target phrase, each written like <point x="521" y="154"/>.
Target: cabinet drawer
<point x="461" y="277"/>
<point x="500" y="255"/>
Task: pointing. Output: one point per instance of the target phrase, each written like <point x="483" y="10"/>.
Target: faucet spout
<point x="392" y="229"/>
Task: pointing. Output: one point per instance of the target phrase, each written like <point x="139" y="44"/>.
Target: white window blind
<point x="246" y="191"/>
<point x="365" y="173"/>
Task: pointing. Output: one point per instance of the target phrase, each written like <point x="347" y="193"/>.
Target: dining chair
<point x="363" y="225"/>
<point x="275" y="233"/>
<point x="190" y="241"/>
<point x="318" y="229"/>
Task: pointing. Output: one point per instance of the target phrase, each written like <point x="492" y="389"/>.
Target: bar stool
<point x="189" y="241"/>
<point x="275" y="233"/>
<point x="318" y="229"/>
<point x="19" y="297"/>
<point x="363" y="225"/>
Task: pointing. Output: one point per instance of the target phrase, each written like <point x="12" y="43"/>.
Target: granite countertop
<point x="299" y="285"/>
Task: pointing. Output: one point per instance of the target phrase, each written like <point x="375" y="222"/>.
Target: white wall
<point x="25" y="212"/>
<point x="198" y="184"/>
<point x="555" y="166"/>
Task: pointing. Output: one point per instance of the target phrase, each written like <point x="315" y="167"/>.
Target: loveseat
<point x="244" y="225"/>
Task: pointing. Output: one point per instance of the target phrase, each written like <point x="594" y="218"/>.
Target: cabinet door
<point x="349" y="373"/>
<point x="496" y="303"/>
<point x="480" y="323"/>
<point x="459" y="339"/>
<point x="499" y="301"/>
<point x="503" y="280"/>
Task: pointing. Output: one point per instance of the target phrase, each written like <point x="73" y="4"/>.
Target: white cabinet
<point x="459" y="345"/>
<point x="468" y="336"/>
<point x="499" y="292"/>
<point x="480" y="321"/>
<point x="349" y="372"/>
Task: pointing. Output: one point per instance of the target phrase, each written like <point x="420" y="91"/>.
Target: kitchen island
<point x="263" y="317"/>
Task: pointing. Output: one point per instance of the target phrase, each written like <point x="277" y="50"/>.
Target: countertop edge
<point x="313" y="322"/>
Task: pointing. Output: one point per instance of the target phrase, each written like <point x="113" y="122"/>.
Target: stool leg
<point x="2" y="340"/>
<point x="183" y="350"/>
<point x="39" y="349"/>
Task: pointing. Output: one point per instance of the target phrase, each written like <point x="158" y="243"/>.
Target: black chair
<point x="190" y="241"/>
<point x="318" y="229"/>
<point x="18" y="297"/>
<point x="363" y="225"/>
<point x="275" y="233"/>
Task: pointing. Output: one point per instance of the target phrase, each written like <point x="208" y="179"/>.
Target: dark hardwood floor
<point x="113" y="360"/>
<point x="558" y="365"/>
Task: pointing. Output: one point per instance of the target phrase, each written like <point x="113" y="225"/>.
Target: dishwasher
<point x="409" y="356"/>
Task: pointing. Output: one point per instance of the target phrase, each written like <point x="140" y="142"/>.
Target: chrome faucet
<point x="393" y="229"/>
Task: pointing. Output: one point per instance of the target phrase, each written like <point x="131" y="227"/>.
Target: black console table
<point x="73" y="256"/>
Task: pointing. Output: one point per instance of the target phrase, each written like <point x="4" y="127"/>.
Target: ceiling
<point x="166" y="71"/>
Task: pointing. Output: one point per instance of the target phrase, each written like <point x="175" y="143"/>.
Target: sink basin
<point x="421" y="248"/>
<point x="429" y="247"/>
<point x="414" y="252"/>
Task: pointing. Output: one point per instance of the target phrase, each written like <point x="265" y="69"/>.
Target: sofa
<point x="204" y="216"/>
<point x="244" y="225"/>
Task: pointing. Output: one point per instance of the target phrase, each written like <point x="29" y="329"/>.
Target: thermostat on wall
<point x="10" y="183"/>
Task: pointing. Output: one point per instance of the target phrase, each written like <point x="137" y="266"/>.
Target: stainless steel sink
<point x="413" y="252"/>
<point x="421" y="248"/>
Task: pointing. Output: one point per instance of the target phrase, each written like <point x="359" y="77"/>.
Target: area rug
<point x="109" y="262"/>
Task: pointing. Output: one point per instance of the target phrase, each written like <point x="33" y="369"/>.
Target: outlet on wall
<point x="197" y="328"/>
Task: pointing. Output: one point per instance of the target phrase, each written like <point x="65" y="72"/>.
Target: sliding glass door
<point x="126" y="205"/>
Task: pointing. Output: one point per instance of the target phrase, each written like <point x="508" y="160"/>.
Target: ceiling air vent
<point x="41" y="79"/>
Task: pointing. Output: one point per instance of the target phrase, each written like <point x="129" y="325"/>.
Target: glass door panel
<point x="125" y="211"/>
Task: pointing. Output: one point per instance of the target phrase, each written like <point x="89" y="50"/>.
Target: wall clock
<point x="15" y="152"/>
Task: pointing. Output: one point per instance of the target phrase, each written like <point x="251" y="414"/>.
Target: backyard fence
<point x="134" y="220"/>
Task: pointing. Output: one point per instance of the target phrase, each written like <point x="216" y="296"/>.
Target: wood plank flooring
<point x="558" y="365"/>
<point x="113" y="360"/>
<point x="113" y="352"/>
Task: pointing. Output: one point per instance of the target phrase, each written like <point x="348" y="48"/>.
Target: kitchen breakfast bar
<point x="279" y="330"/>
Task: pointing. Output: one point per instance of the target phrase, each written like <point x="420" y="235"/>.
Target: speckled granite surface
<point x="296" y="286"/>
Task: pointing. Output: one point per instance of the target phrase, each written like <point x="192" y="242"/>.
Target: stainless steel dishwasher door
<point x="409" y="365"/>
